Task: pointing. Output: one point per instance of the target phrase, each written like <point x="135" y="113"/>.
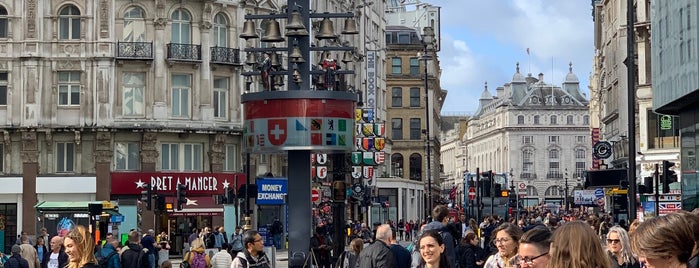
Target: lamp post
<point x="427" y="40"/>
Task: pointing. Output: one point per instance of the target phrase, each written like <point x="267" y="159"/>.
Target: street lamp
<point x="427" y="42"/>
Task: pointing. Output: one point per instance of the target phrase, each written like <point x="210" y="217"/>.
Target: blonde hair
<point x="197" y="243"/>
<point x="85" y="246"/>
<point x="632" y="227"/>
<point x="626" y="254"/>
<point x="575" y="245"/>
<point x="357" y="245"/>
<point x="664" y="236"/>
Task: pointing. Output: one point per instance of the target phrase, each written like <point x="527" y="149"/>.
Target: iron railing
<point x="135" y="50"/>
<point x="225" y="55"/>
<point x="183" y="52"/>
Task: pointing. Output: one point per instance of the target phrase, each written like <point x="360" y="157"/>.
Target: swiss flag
<point x="276" y="131"/>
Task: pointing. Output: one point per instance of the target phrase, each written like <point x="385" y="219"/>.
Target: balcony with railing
<point x="183" y="52"/>
<point x="528" y="175"/>
<point x="225" y="55"/>
<point x="134" y="50"/>
<point x="554" y="175"/>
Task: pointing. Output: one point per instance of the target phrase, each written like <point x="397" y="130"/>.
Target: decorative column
<point x="30" y="169"/>
<point x="103" y="156"/>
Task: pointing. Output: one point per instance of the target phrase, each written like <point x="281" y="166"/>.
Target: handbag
<point x="185" y="262"/>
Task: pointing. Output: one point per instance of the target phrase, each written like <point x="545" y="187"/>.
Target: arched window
<point x="3" y="22"/>
<point x="586" y="119"/>
<point x="520" y="120"/>
<point x="554" y="120"/>
<point x="415" y="167"/>
<point x="69" y="23"/>
<point x="181" y="27"/>
<point x="397" y="165"/>
<point x="569" y="120"/>
<point x="134" y="25"/>
<point x="536" y="120"/>
<point x="220" y="28"/>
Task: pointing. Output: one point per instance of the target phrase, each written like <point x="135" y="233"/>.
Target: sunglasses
<point x="529" y="260"/>
<point x="613" y="241"/>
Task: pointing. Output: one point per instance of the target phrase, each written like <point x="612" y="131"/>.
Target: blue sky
<point x="483" y="40"/>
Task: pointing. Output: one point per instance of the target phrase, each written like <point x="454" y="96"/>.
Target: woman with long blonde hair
<point x="80" y="248"/>
<point x="619" y="248"/>
<point x="576" y="245"/>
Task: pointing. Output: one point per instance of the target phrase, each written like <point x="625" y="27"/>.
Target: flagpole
<point x="530" y="61"/>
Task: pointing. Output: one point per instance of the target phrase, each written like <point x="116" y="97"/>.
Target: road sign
<point x="599" y="193"/>
<point x="315" y="195"/>
<point x="522" y="185"/>
<point x="471" y="193"/>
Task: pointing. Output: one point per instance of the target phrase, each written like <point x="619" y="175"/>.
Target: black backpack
<point x="102" y="261"/>
<point x="210" y="240"/>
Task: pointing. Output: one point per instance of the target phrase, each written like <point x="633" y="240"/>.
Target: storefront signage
<point x="197" y="183"/>
<point x="271" y="191"/>
<point x="665" y="122"/>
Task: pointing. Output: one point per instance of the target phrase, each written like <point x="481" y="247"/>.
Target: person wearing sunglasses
<point x="534" y="248"/>
<point x="576" y="245"/>
<point x="619" y="249"/>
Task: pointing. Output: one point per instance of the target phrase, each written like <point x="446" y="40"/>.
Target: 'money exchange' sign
<point x="271" y="191"/>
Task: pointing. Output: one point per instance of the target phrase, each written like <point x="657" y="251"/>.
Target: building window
<point x="569" y="120"/>
<point x="69" y="23"/>
<point x="554" y="120"/>
<point x="231" y="157"/>
<point x="414" y="66"/>
<point x="527" y="140"/>
<point x="396" y="65"/>
<point x="397" y="165"/>
<point x="68" y="88"/>
<point x="187" y="155"/>
<point x="397" y="128"/>
<point x="220" y="99"/>
<point x="554" y="165"/>
<point x="126" y="156"/>
<point x="3" y="88"/>
<point x="663" y="130"/>
<point x="415" y="129"/>
<point x="580" y="166"/>
<point x="586" y="119"/>
<point x="520" y="120"/>
<point x="536" y="120"/>
<point x="181" y="84"/>
<point x="2" y="158"/>
<point x="580" y="139"/>
<point x="134" y="25"/>
<point x="527" y="162"/>
<point x="65" y="157"/>
<point x="181" y="32"/>
<point x="133" y="85"/>
<point x="415" y="97"/>
<point x="554" y="139"/>
<point x="3" y="22"/>
<point x="396" y="97"/>
<point x="415" y="167"/>
<point x="220" y="31"/>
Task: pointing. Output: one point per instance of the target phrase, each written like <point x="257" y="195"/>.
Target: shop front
<point x="10" y="211"/>
<point x="59" y="217"/>
<point x="199" y="210"/>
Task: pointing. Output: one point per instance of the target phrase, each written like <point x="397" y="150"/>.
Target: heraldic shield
<point x="379" y="143"/>
<point x="368" y="130"/>
<point x="356" y="158"/>
<point x="356" y="172"/>
<point x="276" y="131"/>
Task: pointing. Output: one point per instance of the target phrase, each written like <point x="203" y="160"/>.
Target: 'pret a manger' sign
<point x="196" y="183"/>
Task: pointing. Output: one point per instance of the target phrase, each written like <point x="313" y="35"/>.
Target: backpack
<point x="199" y="260"/>
<point x="210" y="240"/>
<point x="103" y="261"/>
<point x="236" y="242"/>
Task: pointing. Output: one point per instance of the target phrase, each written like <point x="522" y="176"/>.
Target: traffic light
<point x="669" y="176"/>
<point x="181" y="196"/>
<point x="504" y="193"/>
<point x="486" y="183"/>
<point x="147" y="196"/>
<point x="160" y="203"/>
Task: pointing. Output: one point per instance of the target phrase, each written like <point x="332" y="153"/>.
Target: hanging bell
<point x="297" y="77"/>
<point x="275" y="60"/>
<point x="327" y="31"/>
<point x="249" y="30"/>
<point x="296" y="55"/>
<point x="350" y="26"/>
<point x="279" y="80"/>
<point x="347" y="57"/>
<point x="251" y="59"/>
<point x="272" y="32"/>
<point x="296" y="22"/>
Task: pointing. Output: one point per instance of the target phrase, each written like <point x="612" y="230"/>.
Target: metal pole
<point x="656" y="175"/>
<point x="566" y="196"/>
<point x="631" y="111"/>
<point x="427" y="135"/>
<point x="492" y="194"/>
<point x="247" y="184"/>
<point x="478" y="195"/>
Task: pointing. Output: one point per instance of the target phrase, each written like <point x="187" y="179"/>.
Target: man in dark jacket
<point x="378" y="254"/>
<point x="439" y="214"/>
<point x="110" y="253"/>
<point x="16" y="261"/>
<point x="133" y="255"/>
<point x="56" y="257"/>
<point x="402" y="255"/>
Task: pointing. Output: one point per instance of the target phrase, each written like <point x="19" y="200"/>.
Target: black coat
<point x="62" y="259"/>
<point x="15" y="261"/>
<point x="468" y="255"/>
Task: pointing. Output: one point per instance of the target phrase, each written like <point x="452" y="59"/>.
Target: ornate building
<point x="535" y="132"/>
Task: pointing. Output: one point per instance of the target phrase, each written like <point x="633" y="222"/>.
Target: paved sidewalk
<point x="281" y="260"/>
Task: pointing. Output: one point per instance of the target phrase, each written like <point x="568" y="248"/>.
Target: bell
<point x="279" y="80"/>
<point x="272" y="33"/>
<point x="296" y="55"/>
<point x="275" y="60"/>
<point x="297" y="77"/>
<point x="299" y="32"/>
<point x="350" y="27"/>
<point x="249" y="30"/>
<point x="251" y="59"/>
<point x="347" y="57"/>
<point x="327" y="30"/>
<point x="296" y="22"/>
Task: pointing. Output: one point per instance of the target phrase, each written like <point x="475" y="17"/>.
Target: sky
<point x="483" y="40"/>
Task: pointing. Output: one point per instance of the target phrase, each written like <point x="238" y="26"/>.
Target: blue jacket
<point x="450" y="248"/>
<point x="114" y="261"/>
